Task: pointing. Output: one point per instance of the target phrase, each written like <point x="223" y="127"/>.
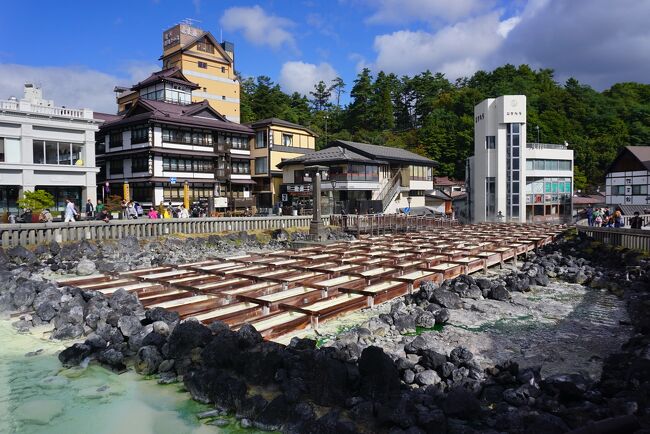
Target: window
<point x="140" y="164"/>
<point x="115" y="139"/>
<point x="299" y="176"/>
<point x="140" y="135"/>
<point x="223" y="69"/>
<point x="59" y="153"/>
<point x="203" y="65"/>
<point x="420" y="173"/>
<point x="188" y="137"/>
<point x="261" y="165"/>
<point x="640" y="189"/>
<point x="490" y="142"/>
<point x="9" y="150"/>
<point x="490" y="197"/>
<point x="204" y="46"/>
<point x="537" y="164"/>
<point x="260" y="140"/>
<point x="116" y="167"/>
<point x="241" y="167"/>
<point x="618" y="190"/>
<point x="287" y="139"/>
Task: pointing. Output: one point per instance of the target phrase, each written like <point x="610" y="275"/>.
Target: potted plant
<point x="35" y="201"/>
<point x="113" y="205"/>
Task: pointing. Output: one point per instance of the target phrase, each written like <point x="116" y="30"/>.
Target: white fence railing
<point x="637" y="239"/>
<point x="25" y="234"/>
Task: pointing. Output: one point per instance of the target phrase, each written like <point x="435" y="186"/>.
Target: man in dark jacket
<point x="636" y="222"/>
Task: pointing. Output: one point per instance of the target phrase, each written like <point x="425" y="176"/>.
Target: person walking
<point x="183" y="212"/>
<point x="153" y="214"/>
<point x="90" y="208"/>
<point x="500" y="217"/>
<point x="590" y="215"/>
<point x="70" y="211"/>
<point x="100" y="206"/>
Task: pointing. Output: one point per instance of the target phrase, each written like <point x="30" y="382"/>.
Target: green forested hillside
<point x="432" y="116"/>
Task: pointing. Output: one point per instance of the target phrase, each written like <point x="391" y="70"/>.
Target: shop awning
<point x="242" y="181"/>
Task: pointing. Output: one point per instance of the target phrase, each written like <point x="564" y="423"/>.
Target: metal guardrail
<point x="383" y="223"/>
<point x="25" y="234"/>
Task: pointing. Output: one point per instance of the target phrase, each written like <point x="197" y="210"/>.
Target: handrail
<point x="637" y="239"/>
<point x="25" y="234"/>
<point x="388" y="192"/>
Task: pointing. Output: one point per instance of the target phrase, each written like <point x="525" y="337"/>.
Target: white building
<point x="43" y="147"/>
<point x="524" y="181"/>
<point x="628" y="179"/>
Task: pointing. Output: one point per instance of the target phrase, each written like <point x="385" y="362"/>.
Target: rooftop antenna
<point x="190" y="21"/>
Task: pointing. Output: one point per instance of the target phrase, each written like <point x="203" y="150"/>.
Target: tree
<point x="113" y="203"/>
<point x="337" y="87"/>
<point x="36" y="200"/>
<point x="321" y="96"/>
<point x="359" y="116"/>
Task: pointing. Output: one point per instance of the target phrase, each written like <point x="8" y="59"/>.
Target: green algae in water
<point x="419" y="330"/>
<point x="503" y="325"/>
<point x="37" y="396"/>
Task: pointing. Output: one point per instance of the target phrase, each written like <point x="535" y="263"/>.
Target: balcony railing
<point x="26" y="106"/>
<point x="546" y="146"/>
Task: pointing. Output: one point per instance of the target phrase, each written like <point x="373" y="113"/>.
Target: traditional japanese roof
<point x="107" y="117"/>
<point x="279" y="122"/>
<point x="333" y="155"/>
<point x="198" y="115"/>
<point x="590" y="199"/>
<point x="640" y="153"/>
<point x="445" y="181"/>
<point x="170" y="75"/>
<point x="386" y="153"/>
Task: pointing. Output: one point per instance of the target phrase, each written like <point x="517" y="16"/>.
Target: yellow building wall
<point x="277" y="157"/>
<point x="301" y="138"/>
<point x="188" y="62"/>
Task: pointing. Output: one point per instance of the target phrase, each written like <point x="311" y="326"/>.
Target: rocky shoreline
<point x="380" y="377"/>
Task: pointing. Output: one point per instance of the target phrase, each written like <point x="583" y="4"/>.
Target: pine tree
<point x="321" y="96"/>
<point x="359" y="116"/>
<point x="337" y="87"/>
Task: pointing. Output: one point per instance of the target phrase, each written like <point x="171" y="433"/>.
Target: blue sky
<point x="78" y="50"/>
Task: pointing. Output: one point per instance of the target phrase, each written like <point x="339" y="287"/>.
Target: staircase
<point x="390" y="190"/>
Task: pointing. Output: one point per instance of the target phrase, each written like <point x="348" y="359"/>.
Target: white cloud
<point x="404" y="11"/>
<point x="258" y="27"/>
<point x="456" y="50"/>
<point x="71" y="86"/>
<point x="301" y="77"/>
<point x="599" y="42"/>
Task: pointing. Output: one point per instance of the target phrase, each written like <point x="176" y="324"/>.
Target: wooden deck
<point x="284" y="291"/>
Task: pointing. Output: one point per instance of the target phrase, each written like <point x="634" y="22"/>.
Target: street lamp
<point x="537" y="128"/>
<point x="333" y="181"/>
<point x="408" y="200"/>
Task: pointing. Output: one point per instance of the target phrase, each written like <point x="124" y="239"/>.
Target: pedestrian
<point x="598" y="221"/>
<point x="500" y="216"/>
<point x="138" y="209"/>
<point x="100" y="206"/>
<point x="45" y="216"/>
<point x="70" y="211"/>
<point x="153" y="214"/>
<point x="590" y="215"/>
<point x="12" y="218"/>
<point x="183" y="213"/>
<point x="123" y="205"/>
<point x="636" y="222"/>
<point x="103" y="215"/>
<point x="131" y="212"/>
<point x="618" y="219"/>
<point x="90" y="208"/>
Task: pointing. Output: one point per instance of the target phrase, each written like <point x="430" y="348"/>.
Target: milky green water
<point x="38" y="396"/>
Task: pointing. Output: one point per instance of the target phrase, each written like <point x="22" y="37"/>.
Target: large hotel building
<point x="524" y="182"/>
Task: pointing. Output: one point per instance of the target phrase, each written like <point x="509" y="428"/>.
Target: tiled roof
<point x="280" y="122"/>
<point x="444" y="181"/>
<point x="588" y="199"/>
<point x="631" y="209"/>
<point x="334" y="154"/>
<point x="178" y="114"/>
<point x="642" y="153"/>
<point x="107" y="117"/>
<point x="385" y="153"/>
<point x="173" y="75"/>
